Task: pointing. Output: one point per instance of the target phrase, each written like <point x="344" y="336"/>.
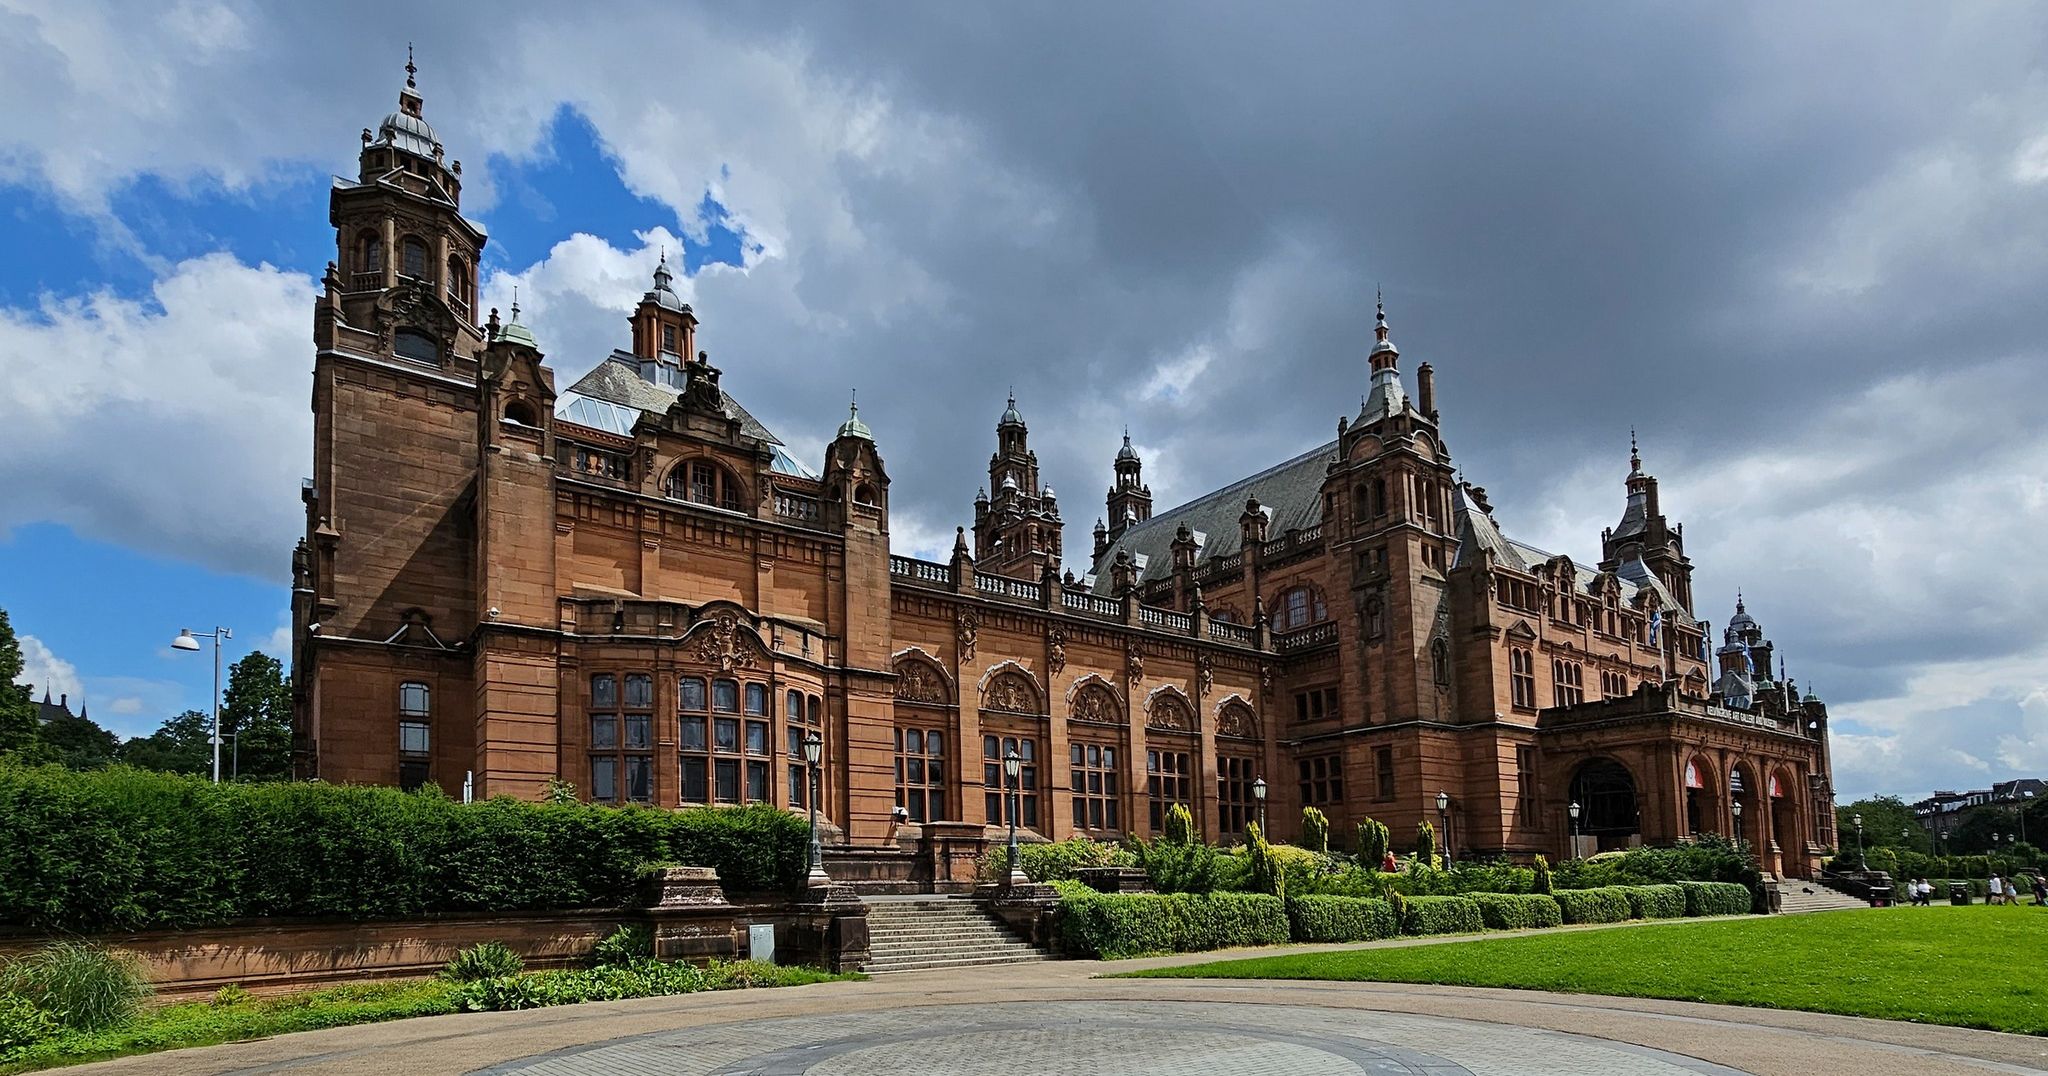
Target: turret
<point x="1130" y="499"/>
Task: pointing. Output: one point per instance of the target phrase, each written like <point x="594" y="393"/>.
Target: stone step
<point x="898" y="956"/>
<point x="881" y="968"/>
<point x="938" y="937"/>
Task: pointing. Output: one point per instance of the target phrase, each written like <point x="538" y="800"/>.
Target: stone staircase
<point x="917" y="933"/>
<point x="1796" y="895"/>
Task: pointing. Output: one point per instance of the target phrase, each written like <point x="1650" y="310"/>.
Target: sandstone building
<point x="628" y="584"/>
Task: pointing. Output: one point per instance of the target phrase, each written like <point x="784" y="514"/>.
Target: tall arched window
<point x="369" y="252"/>
<point x="702" y="481"/>
<point x="412" y="258"/>
<point x="458" y="283"/>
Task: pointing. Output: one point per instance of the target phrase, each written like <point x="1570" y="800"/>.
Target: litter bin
<point x="1959" y="892"/>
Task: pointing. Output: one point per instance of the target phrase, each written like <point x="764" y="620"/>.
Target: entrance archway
<point x="1791" y="844"/>
<point x="1702" y="798"/>
<point x="1606" y="794"/>
<point x="1744" y="792"/>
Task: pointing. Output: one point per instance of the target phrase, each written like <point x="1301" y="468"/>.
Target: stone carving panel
<point x="1237" y="720"/>
<point x="1010" y="691"/>
<point x="1098" y="704"/>
<point x="917" y="681"/>
<point x="1170" y="713"/>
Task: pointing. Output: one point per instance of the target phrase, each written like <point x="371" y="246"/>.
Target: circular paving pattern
<point x="1085" y="1038"/>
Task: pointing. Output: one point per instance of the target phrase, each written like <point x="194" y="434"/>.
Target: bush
<point x="484" y="960"/>
<point x="1654" y="901"/>
<point x="1494" y="877"/>
<point x="1052" y="862"/>
<point x="1180" y="825"/>
<point x="1267" y="874"/>
<point x="1607" y="904"/>
<point x="1340" y="919"/>
<point x="1539" y="881"/>
<point x="1441" y="915"/>
<point x="624" y="946"/>
<point x="23" y="1024"/>
<point x="1373" y="843"/>
<point x="641" y="979"/>
<point x="1425" y="843"/>
<point x="1177" y="867"/>
<point x="82" y="987"/>
<point x="1715" y="898"/>
<point x="1117" y="925"/>
<point x="125" y="849"/>
<point x="1315" y="830"/>
<point x="1517" y="911"/>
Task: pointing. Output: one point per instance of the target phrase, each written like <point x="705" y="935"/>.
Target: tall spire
<point x="1384" y="353"/>
<point x="1635" y="457"/>
<point x="410" y="70"/>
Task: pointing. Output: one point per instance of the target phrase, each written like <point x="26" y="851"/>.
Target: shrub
<point x="1180" y="825"/>
<point x="1654" y="901"/>
<point x="624" y="946"/>
<point x="1315" y="830"/>
<point x="1715" y="898"/>
<point x="1267" y="874"/>
<point x="1373" y="843"/>
<point x="1540" y="882"/>
<point x="641" y="979"/>
<point x="231" y="994"/>
<point x="1425" y="843"/>
<point x="1606" y="904"/>
<point x="1517" y="911"/>
<point x="1399" y="903"/>
<point x="484" y="960"/>
<point x="1495" y="877"/>
<point x="1117" y="925"/>
<point x="125" y="849"/>
<point x="23" y="1024"/>
<point x="1441" y="915"/>
<point x="1340" y="919"/>
<point x="82" y="987"/>
<point x="1052" y="862"/>
<point x="1177" y="867"/>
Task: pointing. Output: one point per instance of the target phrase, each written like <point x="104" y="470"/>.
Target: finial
<point x="853" y="403"/>
<point x="1738" y="599"/>
<point x="410" y="70"/>
<point x="515" y="302"/>
<point x="1635" y="457"/>
<point x="1379" y="302"/>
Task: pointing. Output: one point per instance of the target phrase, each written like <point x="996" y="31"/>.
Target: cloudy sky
<point x="1804" y="253"/>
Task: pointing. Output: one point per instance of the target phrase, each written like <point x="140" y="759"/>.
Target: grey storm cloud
<point x="1800" y="251"/>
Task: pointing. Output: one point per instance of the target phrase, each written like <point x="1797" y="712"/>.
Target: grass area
<point x="1976" y="967"/>
<point x="237" y="1018"/>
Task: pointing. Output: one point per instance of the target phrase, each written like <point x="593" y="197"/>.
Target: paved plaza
<point x="1054" y="1017"/>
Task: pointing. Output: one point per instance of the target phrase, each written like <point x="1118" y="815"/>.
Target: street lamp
<point x="1860" y="863"/>
<point x="814" y="753"/>
<point x="1737" y="806"/>
<point x="186" y="640"/>
<point x="1259" y="797"/>
<point x="1443" y="816"/>
<point x="1013" y="767"/>
<point x="1573" y="810"/>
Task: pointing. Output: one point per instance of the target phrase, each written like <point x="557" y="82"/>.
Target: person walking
<point x="2040" y="890"/>
<point x="2012" y="892"/>
<point x="1994" y="890"/>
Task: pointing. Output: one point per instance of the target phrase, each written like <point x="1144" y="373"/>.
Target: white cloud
<point x="48" y="672"/>
<point x="178" y="426"/>
<point x="126" y="706"/>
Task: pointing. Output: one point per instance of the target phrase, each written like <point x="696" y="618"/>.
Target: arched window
<point x="458" y="283"/>
<point x="521" y="412"/>
<point x="1522" y="678"/>
<point x="1440" y="662"/>
<point x="864" y="494"/>
<point x="369" y="253"/>
<point x="417" y="346"/>
<point x="702" y="481"/>
<point x="412" y="258"/>
<point x="1298" y="608"/>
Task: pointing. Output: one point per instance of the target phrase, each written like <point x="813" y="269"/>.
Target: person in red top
<point x="1388" y="864"/>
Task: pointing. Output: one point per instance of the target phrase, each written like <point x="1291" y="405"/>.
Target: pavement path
<point x="1055" y="1017"/>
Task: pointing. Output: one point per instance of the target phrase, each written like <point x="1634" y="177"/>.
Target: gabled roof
<point x="1290" y="492"/>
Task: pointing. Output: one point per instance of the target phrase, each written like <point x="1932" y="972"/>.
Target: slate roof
<point x="611" y="396"/>
<point x="1291" y="493"/>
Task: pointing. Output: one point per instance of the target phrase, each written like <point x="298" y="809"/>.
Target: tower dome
<point x="853" y="426"/>
<point x="1126" y="453"/>
<point x="1011" y="416"/>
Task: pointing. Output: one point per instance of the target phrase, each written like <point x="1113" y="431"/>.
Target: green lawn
<point x="1971" y="967"/>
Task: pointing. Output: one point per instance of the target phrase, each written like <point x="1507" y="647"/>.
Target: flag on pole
<point x="1656" y="624"/>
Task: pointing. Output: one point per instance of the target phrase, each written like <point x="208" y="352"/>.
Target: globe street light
<point x="1013" y="767"/>
<point x="1259" y="797"/>
<point x="1443" y="815"/>
<point x="1737" y="806"/>
<point x="1860" y="863"/>
<point x="1573" y="810"/>
<point x="814" y="753"/>
<point x="186" y="640"/>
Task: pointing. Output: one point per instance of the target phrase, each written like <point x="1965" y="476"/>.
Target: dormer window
<point x="703" y="482"/>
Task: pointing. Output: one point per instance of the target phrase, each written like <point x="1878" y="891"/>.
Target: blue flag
<point x="1656" y="623"/>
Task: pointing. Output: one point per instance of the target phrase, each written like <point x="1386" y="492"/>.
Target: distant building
<point x="47" y="711"/>
<point x="1939" y="813"/>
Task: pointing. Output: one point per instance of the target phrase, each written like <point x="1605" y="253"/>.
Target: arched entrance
<point x="1606" y="794"/>
<point x="1746" y="802"/>
<point x="1702" y="798"/>
<point x="1785" y="834"/>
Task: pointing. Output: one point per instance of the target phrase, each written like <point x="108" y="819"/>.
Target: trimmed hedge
<point x="1340" y="919"/>
<point x="1118" y="925"/>
<point x="1052" y="861"/>
<point x="1715" y="898"/>
<point x="1441" y="915"/>
<point x="1517" y="911"/>
<point x="1607" y="904"/>
<point x="1654" y="901"/>
<point x="126" y="849"/>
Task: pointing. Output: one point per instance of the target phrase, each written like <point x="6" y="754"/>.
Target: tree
<point x="256" y="709"/>
<point x="17" y="708"/>
<point x="1315" y="830"/>
<point x="1425" y="844"/>
<point x="179" y="746"/>
<point x="1884" y="819"/>
<point x="1972" y="833"/>
<point x="1373" y="843"/>
<point x="75" y="742"/>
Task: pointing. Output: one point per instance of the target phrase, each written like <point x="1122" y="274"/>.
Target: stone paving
<point x="1085" y="1038"/>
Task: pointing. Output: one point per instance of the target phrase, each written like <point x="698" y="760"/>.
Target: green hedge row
<point x="1517" y="911"/>
<point x="1340" y="919"/>
<point x="124" y="849"/>
<point x="1441" y="915"/>
<point x="1654" y="901"/>
<point x="1606" y="904"/>
<point x="1117" y="925"/>
<point x="1716" y="898"/>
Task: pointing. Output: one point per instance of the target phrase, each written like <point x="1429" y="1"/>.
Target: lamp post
<point x="814" y="753"/>
<point x="186" y="640"/>
<point x="1861" y="864"/>
<point x="2024" y="797"/>
<point x="1573" y="810"/>
<point x="1443" y="817"/>
<point x="1737" y="806"/>
<point x="1259" y="798"/>
<point x="1013" y="767"/>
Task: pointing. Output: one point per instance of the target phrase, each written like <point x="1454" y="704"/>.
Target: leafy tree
<point x="1972" y="835"/>
<point x="1425" y="843"/>
<point x="1373" y="842"/>
<point x="17" y="707"/>
<point x="1884" y="819"/>
<point x="1541" y="883"/>
<point x="179" y="746"/>
<point x="256" y="708"/>
<point x="1315" y="830"/>
<point x="77" y="743"/>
